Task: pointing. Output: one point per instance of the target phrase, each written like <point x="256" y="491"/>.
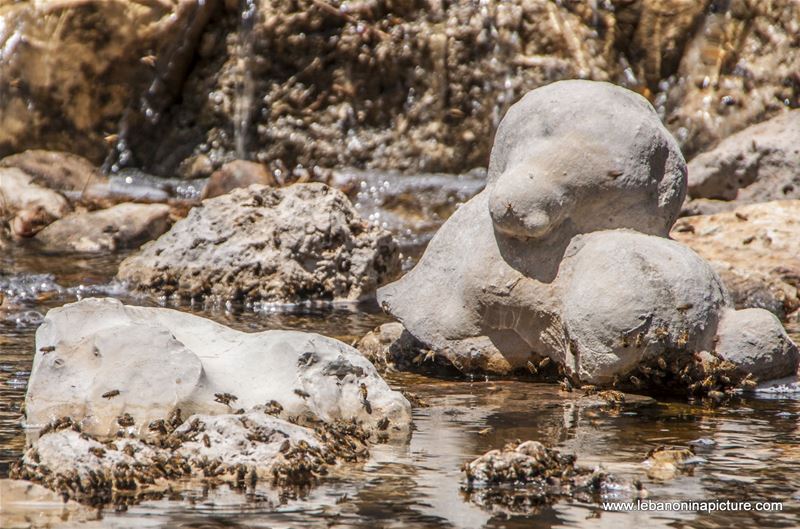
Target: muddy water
<point x="754" y="451"/>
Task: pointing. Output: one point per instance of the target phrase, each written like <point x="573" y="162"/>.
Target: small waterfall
<point x="245" y="86"/>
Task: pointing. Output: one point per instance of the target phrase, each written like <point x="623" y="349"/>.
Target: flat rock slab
<point x="122" y="226"/>
<point x="112" y="368"/>
<point x="300" y="243"/>
<point x="755" y="249"/>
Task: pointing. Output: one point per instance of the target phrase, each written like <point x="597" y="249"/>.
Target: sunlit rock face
<point x="75" y="71"/>
<point x="565" y="253"/>
<point x="300" y="243"/>
<point x="98" y="360"/>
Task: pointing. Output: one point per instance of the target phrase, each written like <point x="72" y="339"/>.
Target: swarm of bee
<point x="538" y="475"/>
<point x="122" y="476"/>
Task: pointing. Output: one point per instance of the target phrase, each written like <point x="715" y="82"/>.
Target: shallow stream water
<point x="753" y="452"/>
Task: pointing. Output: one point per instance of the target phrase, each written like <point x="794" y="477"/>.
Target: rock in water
<point x="28" y="206"/>
<point x="122" y="226"/>
<point x="61" y="171"/>
<point x="299" y="243"/>
<point x="758" y="164"/>
<point x="109" y="367"/>
<point x="565" y="254"/>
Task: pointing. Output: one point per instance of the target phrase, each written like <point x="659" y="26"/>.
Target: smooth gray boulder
<point x="758" y="164"/>
<point x="565" y="254"/>
<point x="295" y="244"/>
<point x="98" y="360"/>
<point x="122" y="226"/>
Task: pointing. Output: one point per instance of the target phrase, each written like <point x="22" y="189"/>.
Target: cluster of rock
<point x="42" y="197"/>
<point x="129" y="398"/>
<point x="564" y="258"/>
<point x="188" y="83"/>
<point x="303" y="242"/>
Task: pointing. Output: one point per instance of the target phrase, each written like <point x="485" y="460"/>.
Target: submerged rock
<point x="522" y="476"/>
<point x="24" y="505"/>
<point x="26" y="206"/>
<point x="112" y="367"/>
<point x="299" y="243"/>
<point x="565" y="256"/>
<point x="122" y="226"/>
<point x="758" y="164"/>
<point x="756" y="251"/>
<point x="665" y="463"/>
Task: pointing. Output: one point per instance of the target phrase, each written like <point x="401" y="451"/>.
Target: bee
<point x="740" y="215"/>
<point x="662" y="364"/>
<point x="683" y="338"/>
<point x="157" y="426"/>
<point x="225" y="398"/>
<point x="639" y="340"/>
<point x="363" y="390"/>
<point x="532" y="368"/>
<point x="383" y="423"/>
<point x="566" y="385"/>
<point x="125" y="420"/>
<point x="97" y="451"/>
<point x="128" y="450"/>
<point x="685" y="306"/>
<point x="206" y="440"/>
<point x="301" y="393"/>
<point x="544" y="362"/>
<point x="110" y="394"/>
<point x="485" y="431"/>
<point x="635" y="381"/>
<point x="149" y="60"/>
<point x="47" y="349"/>
<point x="273" y="408"/>
<point x="716" y="395"/>
<point x="589" y="389"/>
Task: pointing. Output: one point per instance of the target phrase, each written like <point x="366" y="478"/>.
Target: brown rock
<point x="56" y="170"/>
<point x="236" y="174"/>
<point x="26" y="206"/>
<point x="122" y="226"/>
<point x="755" y="249"/>
<point x="72" y="69"/>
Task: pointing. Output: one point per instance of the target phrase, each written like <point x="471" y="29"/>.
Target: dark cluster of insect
<point x="540" y="476"/>
<point x="299" y="465"/>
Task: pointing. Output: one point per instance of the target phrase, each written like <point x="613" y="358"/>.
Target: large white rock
<point x="160" y="359"/>
<point x="565" y="253"/>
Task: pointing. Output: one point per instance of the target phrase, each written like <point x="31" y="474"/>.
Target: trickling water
<point x="245" y="86"/>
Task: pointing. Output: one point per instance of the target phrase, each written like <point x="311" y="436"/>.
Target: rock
<point x="299" y="243"/>
<point x="528" y="473"/>
<point x="738" y="68"/>
<point x="98" y="360"/>
<point x="758" y="164"/>
<point x="119" y="227"/>
<point x="756" y="251"/>
<point x="236" y="174"/>
<point x="76" y="70"/>
<point x="28" y="206"/>
<point x="565" y="256"/>
<point x="240" y="449"/>
<point x="61" y="171"/>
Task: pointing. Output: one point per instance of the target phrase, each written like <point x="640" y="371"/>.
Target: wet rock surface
<point x="236" y="174"/>
<point x="536" y="476"/>
<point x="758" y="164"/>
<point x="119" y="227"/>
<point x="299" y="243"/>
<point x="113" y="367"/>
<point x="74" y="72"/>
<point x="755" y="251"/>
<point x="551" y="231"/>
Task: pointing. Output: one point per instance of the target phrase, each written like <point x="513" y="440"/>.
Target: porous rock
<point x="108" y="367"/>
<point x="565" y="254"/>
<point x="299" y="243"/>
<point x="122" y="226"/>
